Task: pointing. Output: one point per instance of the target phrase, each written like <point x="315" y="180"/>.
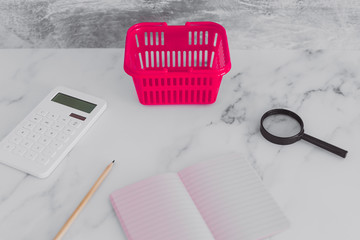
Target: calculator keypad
<point x="40" y="138"/>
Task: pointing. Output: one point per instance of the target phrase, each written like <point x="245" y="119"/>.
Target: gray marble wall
<point x="251" y="24"/>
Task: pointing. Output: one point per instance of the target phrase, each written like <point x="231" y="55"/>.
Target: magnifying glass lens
<point x="281" y="125"/>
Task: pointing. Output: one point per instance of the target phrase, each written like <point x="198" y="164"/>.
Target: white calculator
<point x="39" y="143"/>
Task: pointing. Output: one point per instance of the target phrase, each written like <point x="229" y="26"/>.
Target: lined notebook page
<point x="232" y="199"/>
<point x="159" y="208"/>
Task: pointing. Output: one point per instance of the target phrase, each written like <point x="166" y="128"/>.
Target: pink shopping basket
<point x="177" y="64"/>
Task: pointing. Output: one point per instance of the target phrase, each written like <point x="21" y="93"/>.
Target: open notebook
<point x="221" y="199"/>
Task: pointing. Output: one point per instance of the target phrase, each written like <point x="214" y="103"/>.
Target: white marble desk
<point x="318" y="191"/>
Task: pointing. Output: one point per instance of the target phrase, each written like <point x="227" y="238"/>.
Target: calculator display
<point x="74" y="102"/>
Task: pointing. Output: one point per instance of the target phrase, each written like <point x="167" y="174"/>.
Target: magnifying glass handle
<point x="331" y="148"/>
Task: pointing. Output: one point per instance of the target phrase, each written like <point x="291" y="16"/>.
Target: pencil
<point x="84" y="201"/>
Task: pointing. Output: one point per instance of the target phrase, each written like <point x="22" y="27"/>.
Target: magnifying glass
<point x="284" y="127"/>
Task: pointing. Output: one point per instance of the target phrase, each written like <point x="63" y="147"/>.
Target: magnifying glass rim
<point x="281" y="140"/>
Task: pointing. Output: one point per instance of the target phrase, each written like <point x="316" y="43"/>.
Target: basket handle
<point x="197" y="24"/>
<point x="153" y="24"/>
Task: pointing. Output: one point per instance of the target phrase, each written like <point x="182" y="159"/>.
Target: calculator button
<point x="38" y="147"/>
<point x="27" y="143"/>
<point x="51" y="133"/>
<point x="56" y="144"/>
<point x="29" y="125"/>
<point x="43" y="113"/>
<point x="69" y="130"/>
<point x="52" y="116"/>
<point x="23" y="132"/>
<point x="58" y="126"/>
<point x="64" y="119"/>
<point x="44" y="140"/>
<point x="37" y="118"/>
<point x="34" y="136"/>
<point x="16" y="139"/>
<point x="47" y="122"/>
<point x="75" y="123"/>
<point x="9" y="146"/>
<point x="49" y="152"/>
<point x="31" y="155"/>
<point x="19" y="150"/>
<point x="63" y="137"/>
<point x="43" y="160"/>
<point x="40" y="129"/>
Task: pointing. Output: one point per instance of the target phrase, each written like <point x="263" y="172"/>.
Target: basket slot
<point x="151" y="99"/>
<point x="203" y="96"/>
<point x="195" y="59"/>
<point x="162" y="38"/>
<point x="179" y="59"/>
<point x="215" y="39"/>
<point x="152" y="60"/>
<point x="163" y="58"/>
<point x="157" y="97"/>
<point x="195" y="38"/>
<point x="206" y="37"/>
<point x="157" y="59"/>
<point x="201" y="38"/>
<point x="151" y="39"/>
<point x="212" y="59"/>
<point x="163" y="97"/>
<point x="173" y="59"/>
<point x="147" y="59"/>
<point x="189" y="59"/>
<point x="168" y="58"/>
<point x="200" y="58"/>
<point x="190" y="35"/>
<point x="169" y="96"/>
<point x="184" y="58"/>
<point x="181" y="96"/>
<point x="146" y="38"/>
<point x="175" y="96"/>
<point x="206" y="58"/>
<point x="141" y="61"/>
<point x="137" y="40"/>
<point x="157" y="38"/>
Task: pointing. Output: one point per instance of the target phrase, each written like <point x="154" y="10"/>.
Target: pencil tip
<point x="113" y="161"/>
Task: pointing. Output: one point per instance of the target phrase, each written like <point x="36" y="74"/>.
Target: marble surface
<point x="318" y="191"/>
<point x="251" y="24"/>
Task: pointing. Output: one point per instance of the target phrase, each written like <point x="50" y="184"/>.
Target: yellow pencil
<point x="83" y="202"/>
